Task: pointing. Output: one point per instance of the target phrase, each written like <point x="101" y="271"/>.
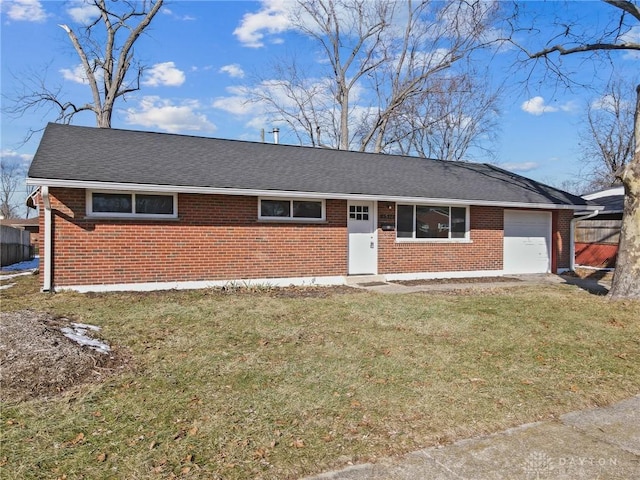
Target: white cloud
<point x="272" y="18"/>
<point x="13" y="156"/>
<point x="77" y="74"/>
<point x="160" y="113"/>
<point x="275" y="17"/>
<point x="536" y="106"/>
<point x="237" y="103"/>
<point x="206" y="68"/>
<point x="82" y="12"/>
<point x="606" y="102"/>
<point x="164" y="74"/>
<point x="234" y="70"/>
<point x="25" y="10"/>
<point x="241" y="102"/>
<point x="632" y="36"/>
<point x="171" y="13"/>
<point x="520" y="166"/>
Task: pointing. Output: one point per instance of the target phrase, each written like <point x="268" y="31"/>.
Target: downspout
<point x="48" y="239"/>
<point x="572" y="249"/>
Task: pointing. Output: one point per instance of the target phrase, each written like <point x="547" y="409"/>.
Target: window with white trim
<point x="132" y="204"/>
<point x="431" y="222"/>
<point x="290" y="209"/>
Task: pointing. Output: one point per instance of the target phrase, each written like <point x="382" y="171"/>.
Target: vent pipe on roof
<point x="276" y="135"/>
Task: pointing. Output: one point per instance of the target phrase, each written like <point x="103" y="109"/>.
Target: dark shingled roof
<point x="132" y="157"/>
<point x="611" y="203"/>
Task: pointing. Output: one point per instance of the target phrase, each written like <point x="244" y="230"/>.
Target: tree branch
<point x="626" y="6"/>
<point x="591" y="47"/>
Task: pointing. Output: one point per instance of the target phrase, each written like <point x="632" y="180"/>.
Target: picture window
<point x="431" y="222"/>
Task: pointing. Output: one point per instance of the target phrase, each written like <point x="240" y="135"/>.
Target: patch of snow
<point x="86" y="326"/>
<point x="4" y="287"/>
<point x="14" y="275"/>
<point x="26" y="265"/>
<point x="78" y="332"/>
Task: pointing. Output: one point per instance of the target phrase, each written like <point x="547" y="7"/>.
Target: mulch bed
<point x="37" y="360"/>
<point x="440" y="281"/>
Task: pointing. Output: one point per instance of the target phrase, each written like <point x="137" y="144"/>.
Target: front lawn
<point x="287" y="383"/>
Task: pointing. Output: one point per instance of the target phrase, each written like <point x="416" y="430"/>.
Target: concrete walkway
<point x="602" y="443"/>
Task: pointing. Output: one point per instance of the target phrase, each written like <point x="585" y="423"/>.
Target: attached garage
<point x="527" y="241"/>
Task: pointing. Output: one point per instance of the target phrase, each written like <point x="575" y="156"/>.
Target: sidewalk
<point x="602" y="443"/>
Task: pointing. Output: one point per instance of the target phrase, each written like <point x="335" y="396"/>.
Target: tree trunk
<point x="344" y="118"/>
<point x="626" y="280"/>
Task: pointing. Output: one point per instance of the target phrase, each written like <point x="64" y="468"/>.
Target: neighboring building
<point x="31" y="225"/>
<point x="18" y="239"/>
<point x="129" y="210"/>
<point x="597" y="238"/>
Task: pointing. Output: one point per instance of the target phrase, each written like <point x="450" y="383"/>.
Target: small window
<point x="154" y="204"/>
<point x="404" y="227"/>
<point x="275" y="208"/>
<point x="112" y="203"/>
<point x="282" y="209"/>
<point x="431" y="222"/>
<point x="359" y="212"/>
<point x="458" y="222"/>
<point x="307" y="209"/>
<point x="130" y="204"/>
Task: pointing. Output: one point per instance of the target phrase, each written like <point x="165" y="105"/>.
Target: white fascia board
<point x="595" y="208"/>
<point x="605" y="193"/>
<point x="137" y="187"/>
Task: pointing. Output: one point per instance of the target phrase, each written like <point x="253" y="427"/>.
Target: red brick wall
<point x="215" y="238"/>
<point x="563" y="242"/>
<point x="218" y="237"/>
<point x="483" y="253"/>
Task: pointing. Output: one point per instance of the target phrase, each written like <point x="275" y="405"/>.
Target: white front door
<point x="527" y="241"/>
<point x="363" y="241"/>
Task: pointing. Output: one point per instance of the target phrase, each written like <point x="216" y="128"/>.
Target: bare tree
<point x="11" y="176"/>
<point x="382" y="56"/>
<point x="456" y="114"/>
<point x="618" y="37"/>
<point x="105" y="47"/>
<point x="606" y="140"/>
<point x="305" y="105"/>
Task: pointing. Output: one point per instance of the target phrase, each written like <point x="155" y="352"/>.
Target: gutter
<point x="572" y="252"/>
<point x="151" y="188"/>
<point x="48" y="239"/>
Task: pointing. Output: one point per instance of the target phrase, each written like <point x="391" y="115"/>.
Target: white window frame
<point x="291" y="218"/>
<point x="91" y="213"/>
<point x="467" y="223"/>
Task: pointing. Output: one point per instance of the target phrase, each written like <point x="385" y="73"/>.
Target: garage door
<point x="527" y="242"/>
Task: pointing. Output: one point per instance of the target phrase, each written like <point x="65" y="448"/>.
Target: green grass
<point x="252" y="385"/>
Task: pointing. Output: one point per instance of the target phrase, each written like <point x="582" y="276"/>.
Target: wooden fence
<point x="14" y="245"/>
<point x="598" y="231"/>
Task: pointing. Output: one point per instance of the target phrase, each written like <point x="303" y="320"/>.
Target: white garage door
<point x="527" y="242"/>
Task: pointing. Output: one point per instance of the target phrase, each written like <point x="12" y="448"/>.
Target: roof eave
<point x="137" y="187"/>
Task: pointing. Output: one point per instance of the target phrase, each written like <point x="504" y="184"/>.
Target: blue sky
<point x="200" y="54"/>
